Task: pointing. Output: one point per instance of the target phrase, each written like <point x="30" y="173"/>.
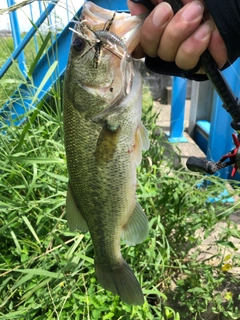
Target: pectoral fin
<point x="142" y="143"/>
<point x="107" y="143"/>
<point x="136" y="229"/>
<point x="74" y="217"/>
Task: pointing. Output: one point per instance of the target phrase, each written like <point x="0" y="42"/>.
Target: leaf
<point x="10" y="81"/>
<point x="22" y="281"/>
<point x="30" y="227"/>
<point x="33" y="183"/>
<point x="39" y="160"/>
<point x="44" y="81"/>
<point x="228" y="244"/>
<point x="57" y="176"/>
<point x="74" y="247"/>
<point x="12" y="315"/>
<point x="227" y="267"/>
<point x="17" y="244"/>
<point x="82" y="256"/>
<point x="197" y="290"/>
<point x="39" y="54"/>
<point x="155" y="292"/>
<point x="41" y="272"/>
<point x="28" y="125"/>
<point x="228" y="296"/>
<point x="110" y="315"/>
<point x="36" y="288"/>
<point x="4" y="205"/>
<point x="228" y="257"/>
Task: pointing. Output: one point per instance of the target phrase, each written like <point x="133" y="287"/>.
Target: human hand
<point x="181" y="37"/>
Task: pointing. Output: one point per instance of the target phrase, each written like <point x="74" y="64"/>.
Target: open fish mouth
<point x="110" y="36"/>
<point x="97" y="18"/>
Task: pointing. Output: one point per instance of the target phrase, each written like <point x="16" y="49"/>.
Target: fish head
<point x="100" y="67"/>
<point x="124" y="25"/>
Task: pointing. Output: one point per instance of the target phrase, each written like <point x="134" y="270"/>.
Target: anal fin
<point x="74" y="218"/>
<point x="136" y="229"/>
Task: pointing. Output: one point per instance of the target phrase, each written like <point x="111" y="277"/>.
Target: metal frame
<point x="21" y="101"/>
<point x="215" y="137"/>
<point x="22" y="44"/>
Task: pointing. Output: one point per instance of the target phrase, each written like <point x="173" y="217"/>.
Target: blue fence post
<point x="40" y="7"/>
<point x="179" y="89"/>
<point x="220" y="136"/>
<point x="67" y="10"/>
<point x="17" y="37"/>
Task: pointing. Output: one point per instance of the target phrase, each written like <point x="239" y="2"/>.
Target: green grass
<point x="10" y="82"/>
<point x="46" y="271"/>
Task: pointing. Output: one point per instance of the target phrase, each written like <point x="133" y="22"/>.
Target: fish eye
<point x="78" y="44"/>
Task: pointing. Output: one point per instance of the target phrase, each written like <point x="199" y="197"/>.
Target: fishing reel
<point x="207" y="166"/>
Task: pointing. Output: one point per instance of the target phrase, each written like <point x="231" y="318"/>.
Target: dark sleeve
<point x="171" y="69"/>
<point x="226" y="15"/>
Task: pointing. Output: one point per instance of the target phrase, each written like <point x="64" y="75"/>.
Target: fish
<point x="104" y="139"/>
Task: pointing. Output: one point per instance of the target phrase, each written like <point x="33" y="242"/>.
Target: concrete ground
<point x="209" y="251"/>
<point x="187" y="149"/>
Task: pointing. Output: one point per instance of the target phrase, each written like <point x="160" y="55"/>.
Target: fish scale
<point x="104" y="139"/>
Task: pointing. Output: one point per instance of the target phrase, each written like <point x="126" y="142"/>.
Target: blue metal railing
<point x="21" y="44"/>
<point x="35" y="88"/>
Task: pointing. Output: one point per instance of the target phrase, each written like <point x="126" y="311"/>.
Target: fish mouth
<point x="122" y="24"/>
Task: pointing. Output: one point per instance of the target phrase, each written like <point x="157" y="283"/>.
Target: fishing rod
<point x="230" y="101"/>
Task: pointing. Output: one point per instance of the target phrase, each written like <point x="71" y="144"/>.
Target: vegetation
<point x="46" y="271"/>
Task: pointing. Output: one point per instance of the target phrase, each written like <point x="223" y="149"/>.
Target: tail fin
<point x="121" y="281"/>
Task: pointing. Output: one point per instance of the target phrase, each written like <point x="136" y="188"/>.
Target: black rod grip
<point x="202" y="165"/>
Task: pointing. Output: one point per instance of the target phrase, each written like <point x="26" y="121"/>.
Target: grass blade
<point x="30" y="227"/>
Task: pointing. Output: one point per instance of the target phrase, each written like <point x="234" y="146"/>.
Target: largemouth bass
<point x="104" y="139"/>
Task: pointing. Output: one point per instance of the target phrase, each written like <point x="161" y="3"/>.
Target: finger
<point x="182" y="25"/>
<point x="191" y="49"/>
<point x="153" y="28"/>
<point x="136" y="9"/>
<point x="218" y="49"/>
